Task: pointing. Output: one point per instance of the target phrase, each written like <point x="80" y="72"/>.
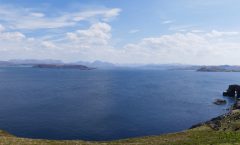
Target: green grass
<point x="203" y="135"/>
<point x="227" y="133"/>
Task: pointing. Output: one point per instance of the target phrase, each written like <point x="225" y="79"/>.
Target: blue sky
<point x="121" y="31"/>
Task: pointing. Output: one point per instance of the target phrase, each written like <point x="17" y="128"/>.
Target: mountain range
<point x="106" y="65"/>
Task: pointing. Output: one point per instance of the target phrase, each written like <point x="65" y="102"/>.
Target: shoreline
<point x="219" y="117"/>
<point x="213" y="130"/>
<point x="219" y="126"/>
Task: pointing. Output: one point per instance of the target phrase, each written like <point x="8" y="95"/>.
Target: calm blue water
<point x="107" y="104"/>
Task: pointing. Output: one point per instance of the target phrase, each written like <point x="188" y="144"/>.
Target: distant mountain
<point x="102" y="64"/>
<point x="187" y="67"/>
<point x="5" y="63"/>
<point x="97" y="64"/>
<point x="51" y="63"/>
<point x="173" y="66"/>
<point x="221" y="68"/>
<point x="55" y="63"/>
<point x="169" y="67"/>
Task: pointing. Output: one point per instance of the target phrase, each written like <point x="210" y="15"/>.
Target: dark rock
<point x="214" y="123"/>
<point x="214" y="126"/>
<point x="236" y="105"/>
<point x="225" y="93"/>
<point x="196" y="125"/>
<point x="232" y="91"/>
<point x="220" y="102"/>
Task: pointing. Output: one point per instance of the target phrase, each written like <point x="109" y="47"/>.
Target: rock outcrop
<point x="220" y="102"/>
<point x="232" y="91"/>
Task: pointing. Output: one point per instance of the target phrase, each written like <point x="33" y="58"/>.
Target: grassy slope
<point x="224" y="131"/>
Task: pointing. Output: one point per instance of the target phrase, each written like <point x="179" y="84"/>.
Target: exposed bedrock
<point x="232" y="91"/>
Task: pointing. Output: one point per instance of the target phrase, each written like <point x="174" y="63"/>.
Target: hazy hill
<point x="5" y="63"/>
<point x="97" y="64"/>
<point x="221" y="68"/>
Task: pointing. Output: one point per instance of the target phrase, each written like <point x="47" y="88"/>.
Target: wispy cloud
<point x="97" y="34"/>
<point x="23" y="18"/>
<point x="36" y="14"/>
<point x="133" y="31"/>
<point x="2" y="28"/>
<point x="167" y="22"/>
<point x="197" y="31"/>
<point x="215" y="33"/>
<point x="180" y="27"/>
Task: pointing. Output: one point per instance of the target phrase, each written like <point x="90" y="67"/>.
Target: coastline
<point x="224" y="128"/>
<point x="219" y="130"/>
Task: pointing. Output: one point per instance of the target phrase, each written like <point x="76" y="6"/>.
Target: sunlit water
<point x="107" y="104"/>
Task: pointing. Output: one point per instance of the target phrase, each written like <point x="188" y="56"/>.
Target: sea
<point x="108" y="104"/>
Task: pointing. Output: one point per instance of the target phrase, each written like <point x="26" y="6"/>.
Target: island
<point x="220" y="68"/>
<point x="63" y="66"/>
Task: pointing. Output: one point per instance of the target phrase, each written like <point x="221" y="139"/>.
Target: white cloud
<point x="184" y="45"/>
<point x="167" y="22"/>
<point x="105" y="14"/>
<point x="180" y="28"/>
<point x="97" y="34"/>
<point x="11" y="36"/>
<point x="2" y="28"/>
<point x="215" y="33"/>
<point x="23" y="18"/>
<point x="112" y="13"/>
<point x="94" y="43"/>
<point x="133" y="31"/>
<point x="193" y="48"/>
<point x="35" y="14"/>
<point x="197" y="31"/>
<point x="48" y="44"/>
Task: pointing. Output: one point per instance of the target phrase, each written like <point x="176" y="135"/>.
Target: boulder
<point x="220" y="102"/>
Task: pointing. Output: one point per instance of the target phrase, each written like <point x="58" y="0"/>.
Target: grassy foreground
<point x="224" y="130"/>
